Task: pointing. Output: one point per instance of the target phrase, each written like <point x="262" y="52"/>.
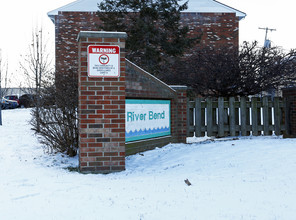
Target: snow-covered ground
<point x="249" y="178"/>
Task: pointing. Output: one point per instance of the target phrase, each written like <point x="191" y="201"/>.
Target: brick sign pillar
<point x="101" y="101"/>
<point x="290" y="114"/>
<point x="179" y="114"/>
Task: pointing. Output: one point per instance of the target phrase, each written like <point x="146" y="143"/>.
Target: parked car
<point x="27" y="100"/>
<point x="8" y="104"/>
<point x="12" y="98"/>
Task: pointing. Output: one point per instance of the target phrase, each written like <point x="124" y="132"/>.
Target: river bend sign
<point x="146" y="119"/>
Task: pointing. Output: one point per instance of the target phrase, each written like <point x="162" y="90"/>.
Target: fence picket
<point x="254" y="116"/>
<point x="203" y="121"/>
<point x="198" y="117"/>
<point x="243" y="112"/>
<point x="209" y="117"/>
<point x="277" y="116"/>
<point x="236" y="110"/>
<point x="232" y="116"/>
<point x="265" y="116"/>
<point x="221" y="117"/>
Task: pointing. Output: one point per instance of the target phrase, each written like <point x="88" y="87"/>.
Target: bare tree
<point x="55" y="115"/>
<point x="36" y="66"/>
<point x="3" y="80"/>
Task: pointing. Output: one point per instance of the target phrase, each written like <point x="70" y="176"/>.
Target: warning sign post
<point x="103" y="61"/>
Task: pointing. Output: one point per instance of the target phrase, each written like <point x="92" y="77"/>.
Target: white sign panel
<point x="147" y="119"/>
<point x="103" y="61"/>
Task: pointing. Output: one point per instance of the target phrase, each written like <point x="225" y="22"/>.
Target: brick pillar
<point x="179" y="114"/>
<point x="289" y="95"/>
<point x="101" y="108"/>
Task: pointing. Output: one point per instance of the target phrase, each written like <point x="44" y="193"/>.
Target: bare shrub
<point x="227" y="71"/>
<point x="57" y="115"/>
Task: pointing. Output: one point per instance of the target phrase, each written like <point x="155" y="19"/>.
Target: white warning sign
<point x="103" y="61"/>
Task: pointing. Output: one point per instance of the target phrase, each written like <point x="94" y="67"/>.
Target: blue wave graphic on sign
<point x="142" y="134"/>
<point x="146" y="132"/>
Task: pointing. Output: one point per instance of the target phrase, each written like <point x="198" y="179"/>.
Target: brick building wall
<point x="215" y="29"/>
<point x="67" y="27"/>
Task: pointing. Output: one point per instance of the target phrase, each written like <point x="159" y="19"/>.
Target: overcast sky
<point x="17" y="19"/>
<point x="279" y="15"/>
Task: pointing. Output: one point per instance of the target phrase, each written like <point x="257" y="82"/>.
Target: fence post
<point x="277" y="116"/>
<point x="265" y="116"/>
<point x="254" y="116"/>
<point x="203" y="117"/>
<point x="198" y="117"/>
<point x="209" y="106"/>
<point x="243" y="108"/>
<point x="220" y="117"/>
<point x="232" y="116"/>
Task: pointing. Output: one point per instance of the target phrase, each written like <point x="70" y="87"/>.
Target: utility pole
<point x="266" y="41"/>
